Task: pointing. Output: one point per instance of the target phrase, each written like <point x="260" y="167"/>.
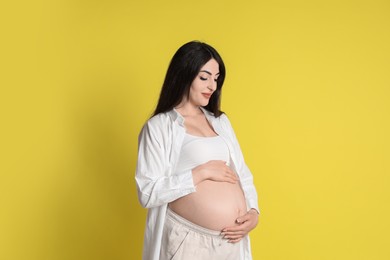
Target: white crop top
<point x="197" y="150"/>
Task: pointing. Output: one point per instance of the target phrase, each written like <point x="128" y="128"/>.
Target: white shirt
<point x="158" y="183"/>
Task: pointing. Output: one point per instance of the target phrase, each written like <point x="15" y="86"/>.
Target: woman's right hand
<point x="215" y="170"/>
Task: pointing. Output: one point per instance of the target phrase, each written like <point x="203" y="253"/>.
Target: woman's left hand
<point x="245" y="223"/>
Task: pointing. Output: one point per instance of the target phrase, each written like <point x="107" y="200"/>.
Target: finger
<point x="233" y="236"/>
<point x="249" y="216"/>
<point x="230" y="178"/>
<point x="243" y="218"/>
<point x="232" y="173"/>
<point x="225" y="178"/>
<point x="234" y="229"/>
<point x="233" y="178"/>
<point x="241" y="228"/>
<point x="234" y="240"/>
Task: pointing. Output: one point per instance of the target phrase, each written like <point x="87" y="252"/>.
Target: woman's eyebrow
<point x="208" y="72"/>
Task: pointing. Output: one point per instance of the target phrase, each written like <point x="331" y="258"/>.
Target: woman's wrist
<point x="198" y="175"/>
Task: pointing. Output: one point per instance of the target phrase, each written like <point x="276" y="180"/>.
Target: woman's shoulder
<point x="160" y="120"/>
<point x="225" y="123"/>
<point x="223" y="118"/>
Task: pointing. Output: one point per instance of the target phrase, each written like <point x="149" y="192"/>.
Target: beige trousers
<point x="184" y="240"/>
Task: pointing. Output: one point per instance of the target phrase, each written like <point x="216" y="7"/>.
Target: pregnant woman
<point x="191" y="173"/>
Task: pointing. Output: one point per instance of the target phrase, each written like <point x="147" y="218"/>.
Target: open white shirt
<point x="158" y="183"/>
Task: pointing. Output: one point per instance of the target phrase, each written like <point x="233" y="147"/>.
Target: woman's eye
<point x="202" y="78"/>
<point x="216" y="80"/>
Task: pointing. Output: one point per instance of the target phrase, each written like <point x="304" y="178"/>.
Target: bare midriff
<point x="214" y="205"/>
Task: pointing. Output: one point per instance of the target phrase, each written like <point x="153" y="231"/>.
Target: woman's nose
<point x="212" y="85"/>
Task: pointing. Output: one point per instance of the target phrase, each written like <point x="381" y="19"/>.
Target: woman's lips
<point x="207" y="95"/>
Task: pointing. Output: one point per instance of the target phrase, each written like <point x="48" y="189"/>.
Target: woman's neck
<point x="186" y="109"/>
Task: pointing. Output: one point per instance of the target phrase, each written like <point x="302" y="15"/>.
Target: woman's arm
<point x="246" y="177"/>
<point x="249" y="220"/>
<point x="156" y="182"/>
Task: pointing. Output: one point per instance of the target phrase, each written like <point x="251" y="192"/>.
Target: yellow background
<point x="307" y="91"/>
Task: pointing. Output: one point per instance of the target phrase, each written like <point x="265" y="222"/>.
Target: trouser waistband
<point x="194" y="227"/>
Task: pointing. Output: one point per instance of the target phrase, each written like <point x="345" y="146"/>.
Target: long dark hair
<point x="183" y="68"/>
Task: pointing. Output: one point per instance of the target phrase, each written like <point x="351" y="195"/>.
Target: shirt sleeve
<point x="157" y="184"/>
<point x="246" y="177"/>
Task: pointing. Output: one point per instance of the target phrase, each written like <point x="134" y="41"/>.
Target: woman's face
<point x="204" y="84"/>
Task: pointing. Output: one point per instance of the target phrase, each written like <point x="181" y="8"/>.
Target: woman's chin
<point x="205" y="103"/>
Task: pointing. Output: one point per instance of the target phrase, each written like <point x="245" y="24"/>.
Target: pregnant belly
<point x="214" y="205"/>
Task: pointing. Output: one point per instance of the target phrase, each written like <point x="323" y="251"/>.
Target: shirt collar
<point x="176" y="117"/>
